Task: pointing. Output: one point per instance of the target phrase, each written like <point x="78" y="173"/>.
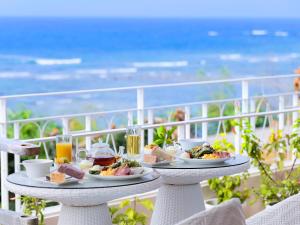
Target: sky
<point x="152" y="8"/>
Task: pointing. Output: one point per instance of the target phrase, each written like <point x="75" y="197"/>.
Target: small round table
<point x="83" y="203"/>
<point x="180" y="195"/>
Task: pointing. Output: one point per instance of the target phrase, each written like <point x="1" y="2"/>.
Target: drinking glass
<point x="63" y="149"/>
<point x="133" y="142"/>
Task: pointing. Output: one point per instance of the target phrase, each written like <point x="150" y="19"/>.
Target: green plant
<point x="123" y="214"/>
<point x="34" y="206"/>
<point x="223" y="144"/>
<point x="164" y="136"/>
<point x="278" y="184"/>
<point x="227" y="187"/>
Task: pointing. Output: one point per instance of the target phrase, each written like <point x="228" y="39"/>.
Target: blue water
<point x="55" y="54"/>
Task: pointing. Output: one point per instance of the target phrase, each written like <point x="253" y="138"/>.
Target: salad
<point x="205" y="151"/>
<point x="123" y="167"/>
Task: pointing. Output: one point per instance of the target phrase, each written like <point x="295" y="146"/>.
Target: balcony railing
<point x="281" y="107"/>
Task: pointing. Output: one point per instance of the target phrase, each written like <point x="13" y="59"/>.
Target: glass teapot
<point x="102" y="154"/>
<point x="101" y="149"/>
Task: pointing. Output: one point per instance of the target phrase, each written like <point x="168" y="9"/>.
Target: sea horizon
<point x="44" y="54"/>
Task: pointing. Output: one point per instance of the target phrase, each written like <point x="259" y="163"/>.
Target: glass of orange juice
<point x="63" y="149"/>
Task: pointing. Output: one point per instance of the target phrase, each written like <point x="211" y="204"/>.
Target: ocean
<point x="60" y="54"/>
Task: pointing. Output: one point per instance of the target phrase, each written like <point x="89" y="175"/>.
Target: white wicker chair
<point x="227" y="213"/>
<point x="15" y="218"/>
<point x="286" y="212"/>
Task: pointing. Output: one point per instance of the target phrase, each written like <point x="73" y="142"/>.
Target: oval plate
<point x="204" y="161"/>
<point x="129" y="177"/>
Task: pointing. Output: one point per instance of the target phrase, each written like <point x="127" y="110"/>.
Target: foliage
<point x="227" y="187"/>
<point x="164" y="136"/>
<point x="34" y="206"/>
<point x="223" y="145"/>
<point x="276" y="185"/>
<point x="123" y="214"/>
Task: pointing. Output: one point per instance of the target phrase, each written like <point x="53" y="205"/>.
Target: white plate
<point x="68" y="180"/>
<point x="204" y="161"/>
<point x="129" y="177"/>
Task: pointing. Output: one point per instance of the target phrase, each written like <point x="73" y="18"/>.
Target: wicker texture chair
<point x="15" y="218"/>
<point x="227" y="213"/>
<point x="286" y="212"/>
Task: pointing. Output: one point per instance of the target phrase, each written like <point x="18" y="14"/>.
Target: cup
<point x="133" y="142"/>
<point x="63" y="153"/>
<point x="36" y="168"/>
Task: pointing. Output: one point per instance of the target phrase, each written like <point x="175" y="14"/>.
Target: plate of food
<point x="204" y="154"/>
<point x="124" y="169"/>
<point x="155" y="156"/>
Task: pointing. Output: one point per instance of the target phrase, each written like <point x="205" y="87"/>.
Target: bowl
<point x="187" y="144"/>
<point x="36" y="168"/>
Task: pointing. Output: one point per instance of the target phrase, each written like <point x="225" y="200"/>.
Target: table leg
<point x="177" y="202"/>
<point x="89" y="215"/>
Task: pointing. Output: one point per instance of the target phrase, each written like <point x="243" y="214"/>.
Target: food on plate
<point x="149" y="158"/>
<point x="171" y="150"/>
<point x="204" y="151"/>
<point x="150" y="147"/>
<point x="71" y="171"/>
<point x="57" y="177"/>
<point x="185" y="155"/>
<point x="108" y="172"/>
<point x="123" y="167"/>
<point x="85" y="164"/>
<point x="95" y="170"/>
<point x="123" y="171"/>
<point x="157" y="155"/>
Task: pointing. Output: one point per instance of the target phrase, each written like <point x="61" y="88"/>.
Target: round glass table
<point x="84" y="202"/>
<point x="180" y="195"/>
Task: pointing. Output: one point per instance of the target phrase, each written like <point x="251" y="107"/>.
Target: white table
<point x="180" y="195"/>
<point x="84" y="203"/>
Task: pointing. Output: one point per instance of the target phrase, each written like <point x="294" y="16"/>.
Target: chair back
<point x="14" y="218"/>
<point x="286" y="212"/>
<point x="227" y="213"/>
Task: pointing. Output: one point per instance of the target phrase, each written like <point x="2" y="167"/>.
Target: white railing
<point x="245" y="105"/>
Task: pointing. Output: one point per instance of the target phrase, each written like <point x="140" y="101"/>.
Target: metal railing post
<point x="204" y="124"/>
<point x="150" y="121"/>
<point x="65" y="126"/>
<point x="281" y="115"/>
<point x="253" y="118"/>
<point x="129" y="118"/>
<point x="4" y="164"/>
<point x="245" y="96"/>
<point x="88" y="127"/>
<point x="187" y="117"/>
<point x="17" y="160"/>
<point x="295" y="104"/>
<point x="237" y="135"/>
<point x="140" y="112"/>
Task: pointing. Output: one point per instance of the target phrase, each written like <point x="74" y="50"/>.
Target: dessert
<point x="57" y="177"/>
<point x="71" y="171"/>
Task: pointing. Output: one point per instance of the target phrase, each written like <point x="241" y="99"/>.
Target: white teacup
<point x="36" y="168"/>
<point x="187" y="144"/>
